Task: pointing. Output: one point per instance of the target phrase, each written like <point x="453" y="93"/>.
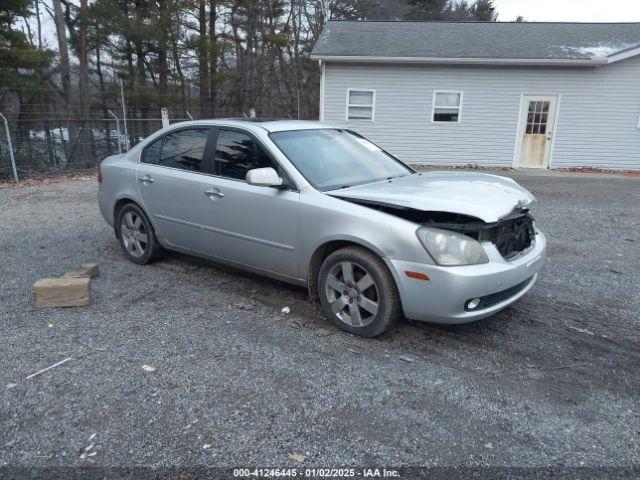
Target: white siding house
<point x="521" y="95"/>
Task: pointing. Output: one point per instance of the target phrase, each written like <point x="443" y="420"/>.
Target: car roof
<point x="262" y="124"/>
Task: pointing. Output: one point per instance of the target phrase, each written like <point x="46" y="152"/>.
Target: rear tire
<point x="136" y="235"/>
<point x="358" y="292"/>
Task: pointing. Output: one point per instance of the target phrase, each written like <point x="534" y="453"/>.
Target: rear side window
<point x="151" y="153"/>
<point x="183" y="149"/>
<point x="237" y="153"/>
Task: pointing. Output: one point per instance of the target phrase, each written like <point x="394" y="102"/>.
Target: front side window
<point x="360" y="104"/>
<point x="183" y="149"/>
<point x="447" y="107"/>
<point x="334" y="158"/>
<point x="237" y="153"/>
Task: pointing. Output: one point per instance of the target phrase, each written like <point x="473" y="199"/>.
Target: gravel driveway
<point x="553" y="380"/>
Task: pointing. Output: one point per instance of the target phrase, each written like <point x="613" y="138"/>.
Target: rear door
<point x="253" y="225"/>
<point x="172" y="177"/>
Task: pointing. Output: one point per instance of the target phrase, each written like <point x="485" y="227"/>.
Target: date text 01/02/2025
<point x="316" y="472"/>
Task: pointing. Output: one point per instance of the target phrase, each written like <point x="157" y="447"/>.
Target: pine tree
<point x="20" y="63"/>
<point x="427" y="9"/>
<point x="457" y="10"/>
<point x="484" y="11"/>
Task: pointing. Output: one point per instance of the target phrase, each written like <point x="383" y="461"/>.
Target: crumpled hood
<point x="480" y="195"/>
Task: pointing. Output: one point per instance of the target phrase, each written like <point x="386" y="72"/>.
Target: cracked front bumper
<point x="442" y="299"/>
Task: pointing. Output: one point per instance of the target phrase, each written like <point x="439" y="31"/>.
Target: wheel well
<point x="322" y="252"/>
<point x="116" y="209"/>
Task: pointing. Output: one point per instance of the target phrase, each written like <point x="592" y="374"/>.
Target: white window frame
<point x="434" y="106"/>
<point x="373" y="105"/>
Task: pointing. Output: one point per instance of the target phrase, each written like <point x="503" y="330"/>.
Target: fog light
<point x="473" y="304"/>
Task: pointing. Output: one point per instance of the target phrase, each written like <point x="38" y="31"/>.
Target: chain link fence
<point x="40" y="147"/>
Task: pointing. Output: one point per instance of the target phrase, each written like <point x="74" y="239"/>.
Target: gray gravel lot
<point x="553" y="380"/>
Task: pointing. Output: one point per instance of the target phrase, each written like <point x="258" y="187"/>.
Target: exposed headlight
<point x="450" y="248"/>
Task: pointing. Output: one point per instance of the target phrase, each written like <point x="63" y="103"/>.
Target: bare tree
<point x="63" y="50"/>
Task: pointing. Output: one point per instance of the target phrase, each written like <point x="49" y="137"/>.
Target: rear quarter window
<point x="151" y="153"/>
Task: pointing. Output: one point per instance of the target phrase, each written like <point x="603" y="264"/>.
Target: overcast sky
<point x="570" y="10"/>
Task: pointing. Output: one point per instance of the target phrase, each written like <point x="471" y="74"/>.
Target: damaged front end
<point x="512" y="235"/>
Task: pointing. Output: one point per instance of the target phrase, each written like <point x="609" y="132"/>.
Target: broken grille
<point x="510" y="236"/>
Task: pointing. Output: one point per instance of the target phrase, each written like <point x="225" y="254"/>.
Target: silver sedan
<point x="321" y="206"/>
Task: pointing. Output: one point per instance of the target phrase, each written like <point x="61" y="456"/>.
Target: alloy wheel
<point x="134" y="234"/>
<point x="352" y="294"/>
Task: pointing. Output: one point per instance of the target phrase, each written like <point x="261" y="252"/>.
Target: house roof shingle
<point x="554" y="42"/>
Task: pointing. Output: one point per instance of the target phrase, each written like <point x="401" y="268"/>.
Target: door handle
<point x="213" y="193"/>
<point x="146" y="179"/>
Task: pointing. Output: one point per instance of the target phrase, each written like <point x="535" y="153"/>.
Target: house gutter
<point x="467" y="61"/>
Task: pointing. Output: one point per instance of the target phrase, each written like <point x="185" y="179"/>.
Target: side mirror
<point x="263" y="177"/>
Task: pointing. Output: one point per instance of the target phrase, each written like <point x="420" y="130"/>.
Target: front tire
<point x="136" y="235"/>
<point x="357" y="292"/>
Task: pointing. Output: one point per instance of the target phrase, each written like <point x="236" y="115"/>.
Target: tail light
<point x="100" y="173"/>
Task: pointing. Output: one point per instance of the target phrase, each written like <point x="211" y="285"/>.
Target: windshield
<point x="334" y="158"/>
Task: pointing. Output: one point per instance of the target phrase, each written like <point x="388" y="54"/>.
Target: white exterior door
<point x="536" y="131"/>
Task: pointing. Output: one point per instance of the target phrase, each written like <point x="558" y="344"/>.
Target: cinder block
<point x="83" y="270"/>
<point x="62" y="292"/>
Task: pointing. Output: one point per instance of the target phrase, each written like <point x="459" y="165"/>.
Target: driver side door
<point x="249" y="224"/>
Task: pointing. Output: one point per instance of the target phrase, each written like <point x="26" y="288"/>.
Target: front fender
<point x="325" y="219"/>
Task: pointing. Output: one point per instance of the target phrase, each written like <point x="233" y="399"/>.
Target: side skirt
<point x="239" y="265"/>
